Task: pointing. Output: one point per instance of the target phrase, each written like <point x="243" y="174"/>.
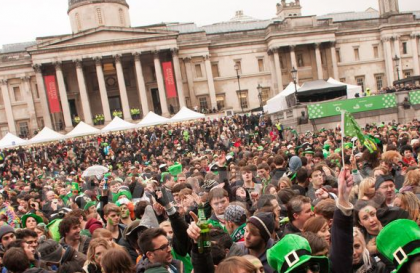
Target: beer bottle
<point x="204" y="243"/>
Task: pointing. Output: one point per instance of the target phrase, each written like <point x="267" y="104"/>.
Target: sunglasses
<point x="313" y="267"/>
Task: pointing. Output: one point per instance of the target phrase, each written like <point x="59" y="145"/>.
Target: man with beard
<point x="69" y="229"/>
<point x="258" y="232"/>
<point x="385" y="185"/>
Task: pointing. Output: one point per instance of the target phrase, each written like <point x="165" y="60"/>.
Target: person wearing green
<point x="218" y="200"/>
<point x="235" y="218"/>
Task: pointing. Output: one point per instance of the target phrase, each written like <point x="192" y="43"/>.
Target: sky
<point x="24" y="20"/>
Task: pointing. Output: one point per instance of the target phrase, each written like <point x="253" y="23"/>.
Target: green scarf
<point x="239" y="233"/>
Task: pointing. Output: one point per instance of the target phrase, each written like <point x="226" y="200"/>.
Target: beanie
<point x="235" y="213"/>
<point x="264" y="221"/>
<point x="6" y="229"/>
<point x="93" y="224"/>
<point x="295" y="163"/>
<point x="381" y="179"/>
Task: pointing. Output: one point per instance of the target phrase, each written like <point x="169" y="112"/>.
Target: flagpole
<point x="342" y="138"/>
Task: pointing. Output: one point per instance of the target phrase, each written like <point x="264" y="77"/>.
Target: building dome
<point x="88" y="14"/>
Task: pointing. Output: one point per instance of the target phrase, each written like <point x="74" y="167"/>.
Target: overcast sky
<point x="24" y="20"/>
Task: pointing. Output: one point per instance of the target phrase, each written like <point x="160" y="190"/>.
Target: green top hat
<point x="25" y="217"/>
<point x="399" y="241"/>
<point x="75" y="187"/>
<point x="348" y="145"/>
<point x="175" y="169"/>
<point x="291" y="252"/>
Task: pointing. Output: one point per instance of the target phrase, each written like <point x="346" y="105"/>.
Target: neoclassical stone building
<point x="106" y="64"/>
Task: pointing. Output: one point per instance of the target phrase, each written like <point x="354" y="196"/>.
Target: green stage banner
<point x="333" y="108"/>
<point x="415" y="97"/>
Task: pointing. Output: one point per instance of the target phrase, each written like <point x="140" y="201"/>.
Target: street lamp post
<point x="397" y="65"/>
<point x="239" y="86"/>
<point x="259" y="88"/>
<point x="294" y="76"/>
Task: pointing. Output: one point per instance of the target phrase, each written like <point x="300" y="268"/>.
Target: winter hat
<point x="5" y="230"/>
<point x="122" y="192"/>
<point x="50" y="251"/>
<point x="209" y="184"/>
<point x="264" y="221"/>
<point x="399" y="242"/>
<point x="291" y="252"/>
<point x="295" y="163"/>
<point x="382" y="179"/>
<point x="235" y="213"/>
<point x="93" y="224"/>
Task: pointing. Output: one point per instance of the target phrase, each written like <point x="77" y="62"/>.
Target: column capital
<point x="117" y="58"/>
<point x="57" y="66"/>
<point x="155" y="54"/>
<point x="78" y="63"/>
<point x="414" y="35"/>
<point x="317" y="45"/>
<point x="25" y="78"/>
<point x="37" y="68"/>
<point x="387" y="38"/>
<point x="174" y="51"/>
<point x="206" y="57"/>
<point x="395" y="37"/>
<point x="136" y="55"/>
<point x="187" y="59"/>
<point x="3" y="81"/>
<point x="98" y="60"/>
<point x="333" y="43"/>
<point x="292" y="47"/>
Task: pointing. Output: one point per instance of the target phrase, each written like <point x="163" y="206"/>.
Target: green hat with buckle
<point x="293" y="252"/>
<point x="399" y="242"/>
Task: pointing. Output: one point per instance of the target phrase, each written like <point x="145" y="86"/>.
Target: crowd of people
<point x="275" y="200"/>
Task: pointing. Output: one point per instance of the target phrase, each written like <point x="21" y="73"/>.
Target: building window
<point x="261" y="64"/>
<point x="337" y="52"/>
<point x="375" y="52"/>
<point x="78" y="24"/>
<point x="23" y="129"/>
<point x="3" y="131"/>
<point x="404" y="45"/>
<point x="407" y="73"/>
<point x="300" y="61"/>
<point x="198" y="72"/>
<point x="265" y="94"/>
<point x="342" y="79"/>
<point x="220" y="101"/>
<point x="243" y="98"/>
<point x="238" y="63"/>
<point x="99" y="14"/>
<point x="122" y="19"/>
<point x="215" y="70"/>
<point x="379" y="82"/>
<point x="203" y="103"/>
<point x="361" y="81"/>
<point x="17" y="93"/>
<point x="356" y="54"/>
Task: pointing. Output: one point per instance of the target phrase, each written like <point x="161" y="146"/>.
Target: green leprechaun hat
<point x="175" y="169"/>
<point x="399" y="241"/>
<point x="75" y="187"/>
<point x="37" y="218"/>
<point x="292" y="252"/>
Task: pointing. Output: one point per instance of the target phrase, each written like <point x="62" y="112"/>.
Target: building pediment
<point x="103" y="36"/>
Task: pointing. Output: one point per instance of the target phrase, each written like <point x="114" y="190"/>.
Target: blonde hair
<point x="410" y="203"/>
<point x="357" y="234"/>
<point x="365" y="185"/>
<point x="92" y="246"/>
<point x="105" y="234"/>
<point x="412" y="178"/>
<point x="286" y="181"/>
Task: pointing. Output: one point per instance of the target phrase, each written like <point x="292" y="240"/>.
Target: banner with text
<point x="333" y="108"/>
<point x="51" y="86"/>
<point x="168" y="75"/>
<point x="415" y="97"/>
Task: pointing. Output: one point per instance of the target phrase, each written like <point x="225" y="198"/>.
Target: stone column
<point x="102" y="90"/>
<point x="274" y="84"/>
<point x="334" y="61"/>
<point x="43" y="96"/>
<point x="398" y="53"/>
<point x="415" y="50"/>
<point x="30" y="101"/>
<point x="318" y="61"/>
<point x="63" y="97"/>
<point x="8" y="107"/>
<point x="294" y="61"/>
<point x="178" y="77"/>
<point x="123" y="89"/>
<point x="161" y="85"/>
<point x="141" y="85"/>
<point x="87" y="114"/>
<point x="188" y="69"/>
<point x="277" y="65"/>
<point x="386" y="41"/>
<point x="210" y="81"/>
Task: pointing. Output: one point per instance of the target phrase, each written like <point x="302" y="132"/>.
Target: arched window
<point x="78" y="24"/>
<point x="122" y="19"/>
<point x="99" y="15"/>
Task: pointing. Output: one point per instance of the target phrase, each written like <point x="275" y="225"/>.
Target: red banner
<point x="52" y="95"/>
<point x="168" y="74"/>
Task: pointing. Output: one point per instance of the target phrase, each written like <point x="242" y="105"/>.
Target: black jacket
<point x="341" y="252"/>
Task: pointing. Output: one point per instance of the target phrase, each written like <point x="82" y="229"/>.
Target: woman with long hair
<point x="117" y="261"/>
<point x="97" y="248"/>
<point x="366" y="189"/>
<point x="366" y="220"/>
<point x="319" y="226"/>
<point x="362" y="261"/>
<point x="409" y="202"/>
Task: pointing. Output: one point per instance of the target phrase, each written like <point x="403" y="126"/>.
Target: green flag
<point x="351" y="128"/>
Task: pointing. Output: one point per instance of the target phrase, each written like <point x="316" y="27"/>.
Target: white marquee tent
<point x="82" y="129"/>
<point x="46" y="135"/>
<point x="118" y="124"/>
<point x="152" y="119"/>
<point x="10" y="140"/>
<point x="186" y="114"/>
<point x="279" y="102"/>
<point x="351" y="89"/>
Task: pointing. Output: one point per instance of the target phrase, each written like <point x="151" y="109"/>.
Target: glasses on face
<point x="313" y="267"/>
<point x="162" y="248"/>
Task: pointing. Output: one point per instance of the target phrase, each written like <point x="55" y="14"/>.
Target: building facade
<point x="107" y="65"/>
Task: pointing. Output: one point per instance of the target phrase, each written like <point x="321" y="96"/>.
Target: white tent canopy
<point x="186" y="114"/>
<point x="118" y="124"/>
<point x="351" y="89"/>
<point x="152" y="119"/>
<point x="10" y="140"/>
<point x="46" y="135"/>
<point x="279" y="102"/>
<point x="82" y="129"/>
